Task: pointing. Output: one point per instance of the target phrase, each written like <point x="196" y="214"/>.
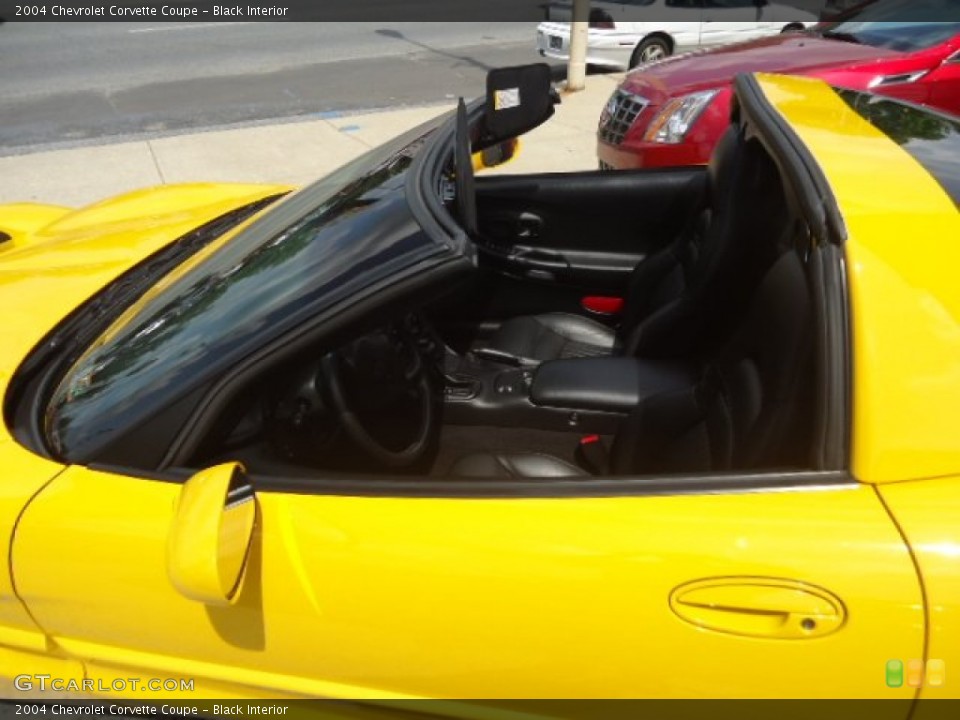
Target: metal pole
<point x="577" y="67"/>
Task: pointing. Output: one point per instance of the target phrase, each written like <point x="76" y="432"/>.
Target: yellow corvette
<point x="411" y="433"/>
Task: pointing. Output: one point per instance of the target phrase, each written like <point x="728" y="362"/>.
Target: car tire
<point x="655" y="47"/>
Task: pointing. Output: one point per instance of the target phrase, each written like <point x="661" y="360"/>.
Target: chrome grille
<point x="619" y="115"/>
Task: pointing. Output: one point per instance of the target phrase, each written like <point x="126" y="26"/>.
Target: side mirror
<point x="499" y="154"/>
<point x="518" y="100"/>
<point x="213" y="527"/>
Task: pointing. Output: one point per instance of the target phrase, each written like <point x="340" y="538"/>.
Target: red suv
<point x="673" y="112"/>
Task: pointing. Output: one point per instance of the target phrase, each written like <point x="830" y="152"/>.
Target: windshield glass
<point x="932" y="139"/>
<point x="885" y="24"/>
<point x="316" y="248"/>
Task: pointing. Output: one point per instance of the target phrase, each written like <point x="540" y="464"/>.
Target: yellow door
<point x="649" y="589"/>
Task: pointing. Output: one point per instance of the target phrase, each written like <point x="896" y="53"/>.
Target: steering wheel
<point x="380" y="390"/>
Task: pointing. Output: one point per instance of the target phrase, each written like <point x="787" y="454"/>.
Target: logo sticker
<point x="506" y="98"/>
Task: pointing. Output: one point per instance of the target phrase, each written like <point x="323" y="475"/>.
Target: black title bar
<point x="417" y="10"/>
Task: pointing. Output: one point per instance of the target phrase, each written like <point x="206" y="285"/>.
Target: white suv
<point x="618" y="40"/>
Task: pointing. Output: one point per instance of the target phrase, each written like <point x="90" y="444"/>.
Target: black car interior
<point x="551" y="236"/>
<point x="705" y="362"/>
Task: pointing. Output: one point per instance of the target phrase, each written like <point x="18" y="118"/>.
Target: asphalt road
<point x="76" y="83"/>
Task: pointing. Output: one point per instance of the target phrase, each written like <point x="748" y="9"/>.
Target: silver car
<point x="627" y="33"/>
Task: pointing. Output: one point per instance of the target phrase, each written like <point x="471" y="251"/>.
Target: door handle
<point x="759" y="607"/>
<point x="540" y="264"/>
<point x="528" y="226"/>
<point x="540" y="259"/>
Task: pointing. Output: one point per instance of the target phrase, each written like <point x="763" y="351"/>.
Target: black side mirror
<point x="518" y="100"/>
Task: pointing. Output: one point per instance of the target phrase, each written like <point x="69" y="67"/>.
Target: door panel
<point x="625" y="212"/>
<point x="385" y="597"/>
<point x="576" y="234"/>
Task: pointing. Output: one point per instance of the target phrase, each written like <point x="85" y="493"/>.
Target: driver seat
<point x="748" y="410"/>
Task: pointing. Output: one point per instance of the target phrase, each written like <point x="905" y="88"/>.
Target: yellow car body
<point x="805" y="593"/>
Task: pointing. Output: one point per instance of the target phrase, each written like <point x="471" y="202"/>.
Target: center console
<point x="586" y="395"/>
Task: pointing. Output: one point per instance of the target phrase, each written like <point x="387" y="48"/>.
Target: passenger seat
<point x="707" y="246"/>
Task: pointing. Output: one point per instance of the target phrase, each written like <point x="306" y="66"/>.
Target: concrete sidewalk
<point x="294" y="153"/>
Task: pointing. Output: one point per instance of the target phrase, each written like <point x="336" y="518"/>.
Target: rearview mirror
<point x="212" y="531"/>
<point x="518" y="100"/>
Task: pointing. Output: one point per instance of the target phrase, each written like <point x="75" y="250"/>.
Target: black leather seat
<point x="551" y="336"/>
<point x="514" y="465"/>
<point x="750" y="409"/>
<point x="653" y="320"/>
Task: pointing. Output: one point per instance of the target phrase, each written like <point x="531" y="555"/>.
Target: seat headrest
<point x="766" y="367"/>
<point x="723" y="170"/>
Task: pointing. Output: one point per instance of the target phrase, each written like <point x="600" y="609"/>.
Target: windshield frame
<point x="435" y="241"/>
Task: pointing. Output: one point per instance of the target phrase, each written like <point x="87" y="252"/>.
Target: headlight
<point x="678" y="116"/>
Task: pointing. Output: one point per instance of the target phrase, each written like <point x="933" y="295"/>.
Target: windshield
<point x="932" y="139"/>
<point x="883" y="24"/>
<point x="315" y="249"/>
